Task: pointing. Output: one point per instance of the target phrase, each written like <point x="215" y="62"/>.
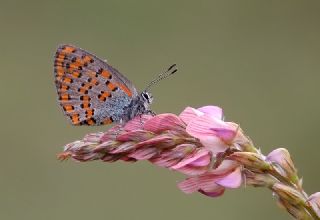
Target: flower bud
<point x="251" y="161"/>
<point x="259" y="179"/>
<point x="314" y="202"/>
<point x="289" y="194"/>
<point x="297" y="211"/>
<point x="284" y="165"/>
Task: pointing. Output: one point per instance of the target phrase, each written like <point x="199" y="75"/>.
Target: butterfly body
<point x="91" y="92"/>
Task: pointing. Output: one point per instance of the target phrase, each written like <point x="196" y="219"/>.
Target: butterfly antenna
<point x="170" y="71"/>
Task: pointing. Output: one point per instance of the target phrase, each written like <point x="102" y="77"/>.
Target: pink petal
<point x="225" y="168"/>
<point x="215" y="192"/>
<point x="189" y="185"/>
<point x="281" y="157"/>
<point x="207" y="181"/>
<point x="205" y="126"/>
<point x="212" y="183"/>
<point x="164" y="122"/>
<point x="314" y="201"/>
<point x="93" y="137"/>
<point x="111" y="158"/>
<point x="278" y="155"/>
<point x="213" y="111"/>
<point x="224" y="134"/>
<point x="137" y="122"/>
<point x="144" y="153"/>
<point x="122" y="148"/>
<point x="192" y="170"/>
<point x="137" y="135"/>
<point x="195" y="164"/>
<point x="74" y="146"/>
<point x="112" y="133"/>
<point x="101" y="148"/>
<point x="189" y="114"/>
<point x="200" y="157"/>
<point x="233" y="180"/>
<point x="210" y="179"/>
<point x="240" y="136"/>
<point x="164" y="161"/>
<point x="213" y="144"/>
<point x="203" y="161"/>
<point x="179" y="151"/>
<point x="163" y="140"/>
<point x="169" y="158"/>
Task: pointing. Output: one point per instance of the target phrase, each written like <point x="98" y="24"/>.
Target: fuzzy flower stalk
<point x="214" y="154"/>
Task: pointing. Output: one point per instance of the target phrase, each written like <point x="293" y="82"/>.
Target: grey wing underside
<point x="103" y="63"/>
<point x="86" y="94"/>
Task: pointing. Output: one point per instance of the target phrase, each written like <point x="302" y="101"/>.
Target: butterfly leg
<point x="150" y="112"/>
<point x="141" y="122"/>
<point x="120" y="128"/>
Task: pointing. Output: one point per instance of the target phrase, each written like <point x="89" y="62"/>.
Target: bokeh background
<point x="259" y="60"/>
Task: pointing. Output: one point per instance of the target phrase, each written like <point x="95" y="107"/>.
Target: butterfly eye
<point x="145" y="95"/>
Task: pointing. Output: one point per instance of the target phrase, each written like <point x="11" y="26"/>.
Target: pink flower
<point x="213" y="182"/>
<point x="208" y="126"/>
<point x="188" y="143"/>
<point x="217" y="136"/>
<point x="215" y="155"/>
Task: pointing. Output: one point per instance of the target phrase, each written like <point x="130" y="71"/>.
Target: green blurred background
<point x="259" y="60"/>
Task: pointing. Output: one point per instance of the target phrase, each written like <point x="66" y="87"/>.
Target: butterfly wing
<point x="91" y="92"/>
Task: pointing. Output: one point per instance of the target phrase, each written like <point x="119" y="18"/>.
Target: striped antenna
<point x="170" y="71"/>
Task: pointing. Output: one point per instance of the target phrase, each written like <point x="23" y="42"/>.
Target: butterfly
<point x="92" y="92"/>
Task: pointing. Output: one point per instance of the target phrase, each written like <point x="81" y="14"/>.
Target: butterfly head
<point x="146" y="98"/>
